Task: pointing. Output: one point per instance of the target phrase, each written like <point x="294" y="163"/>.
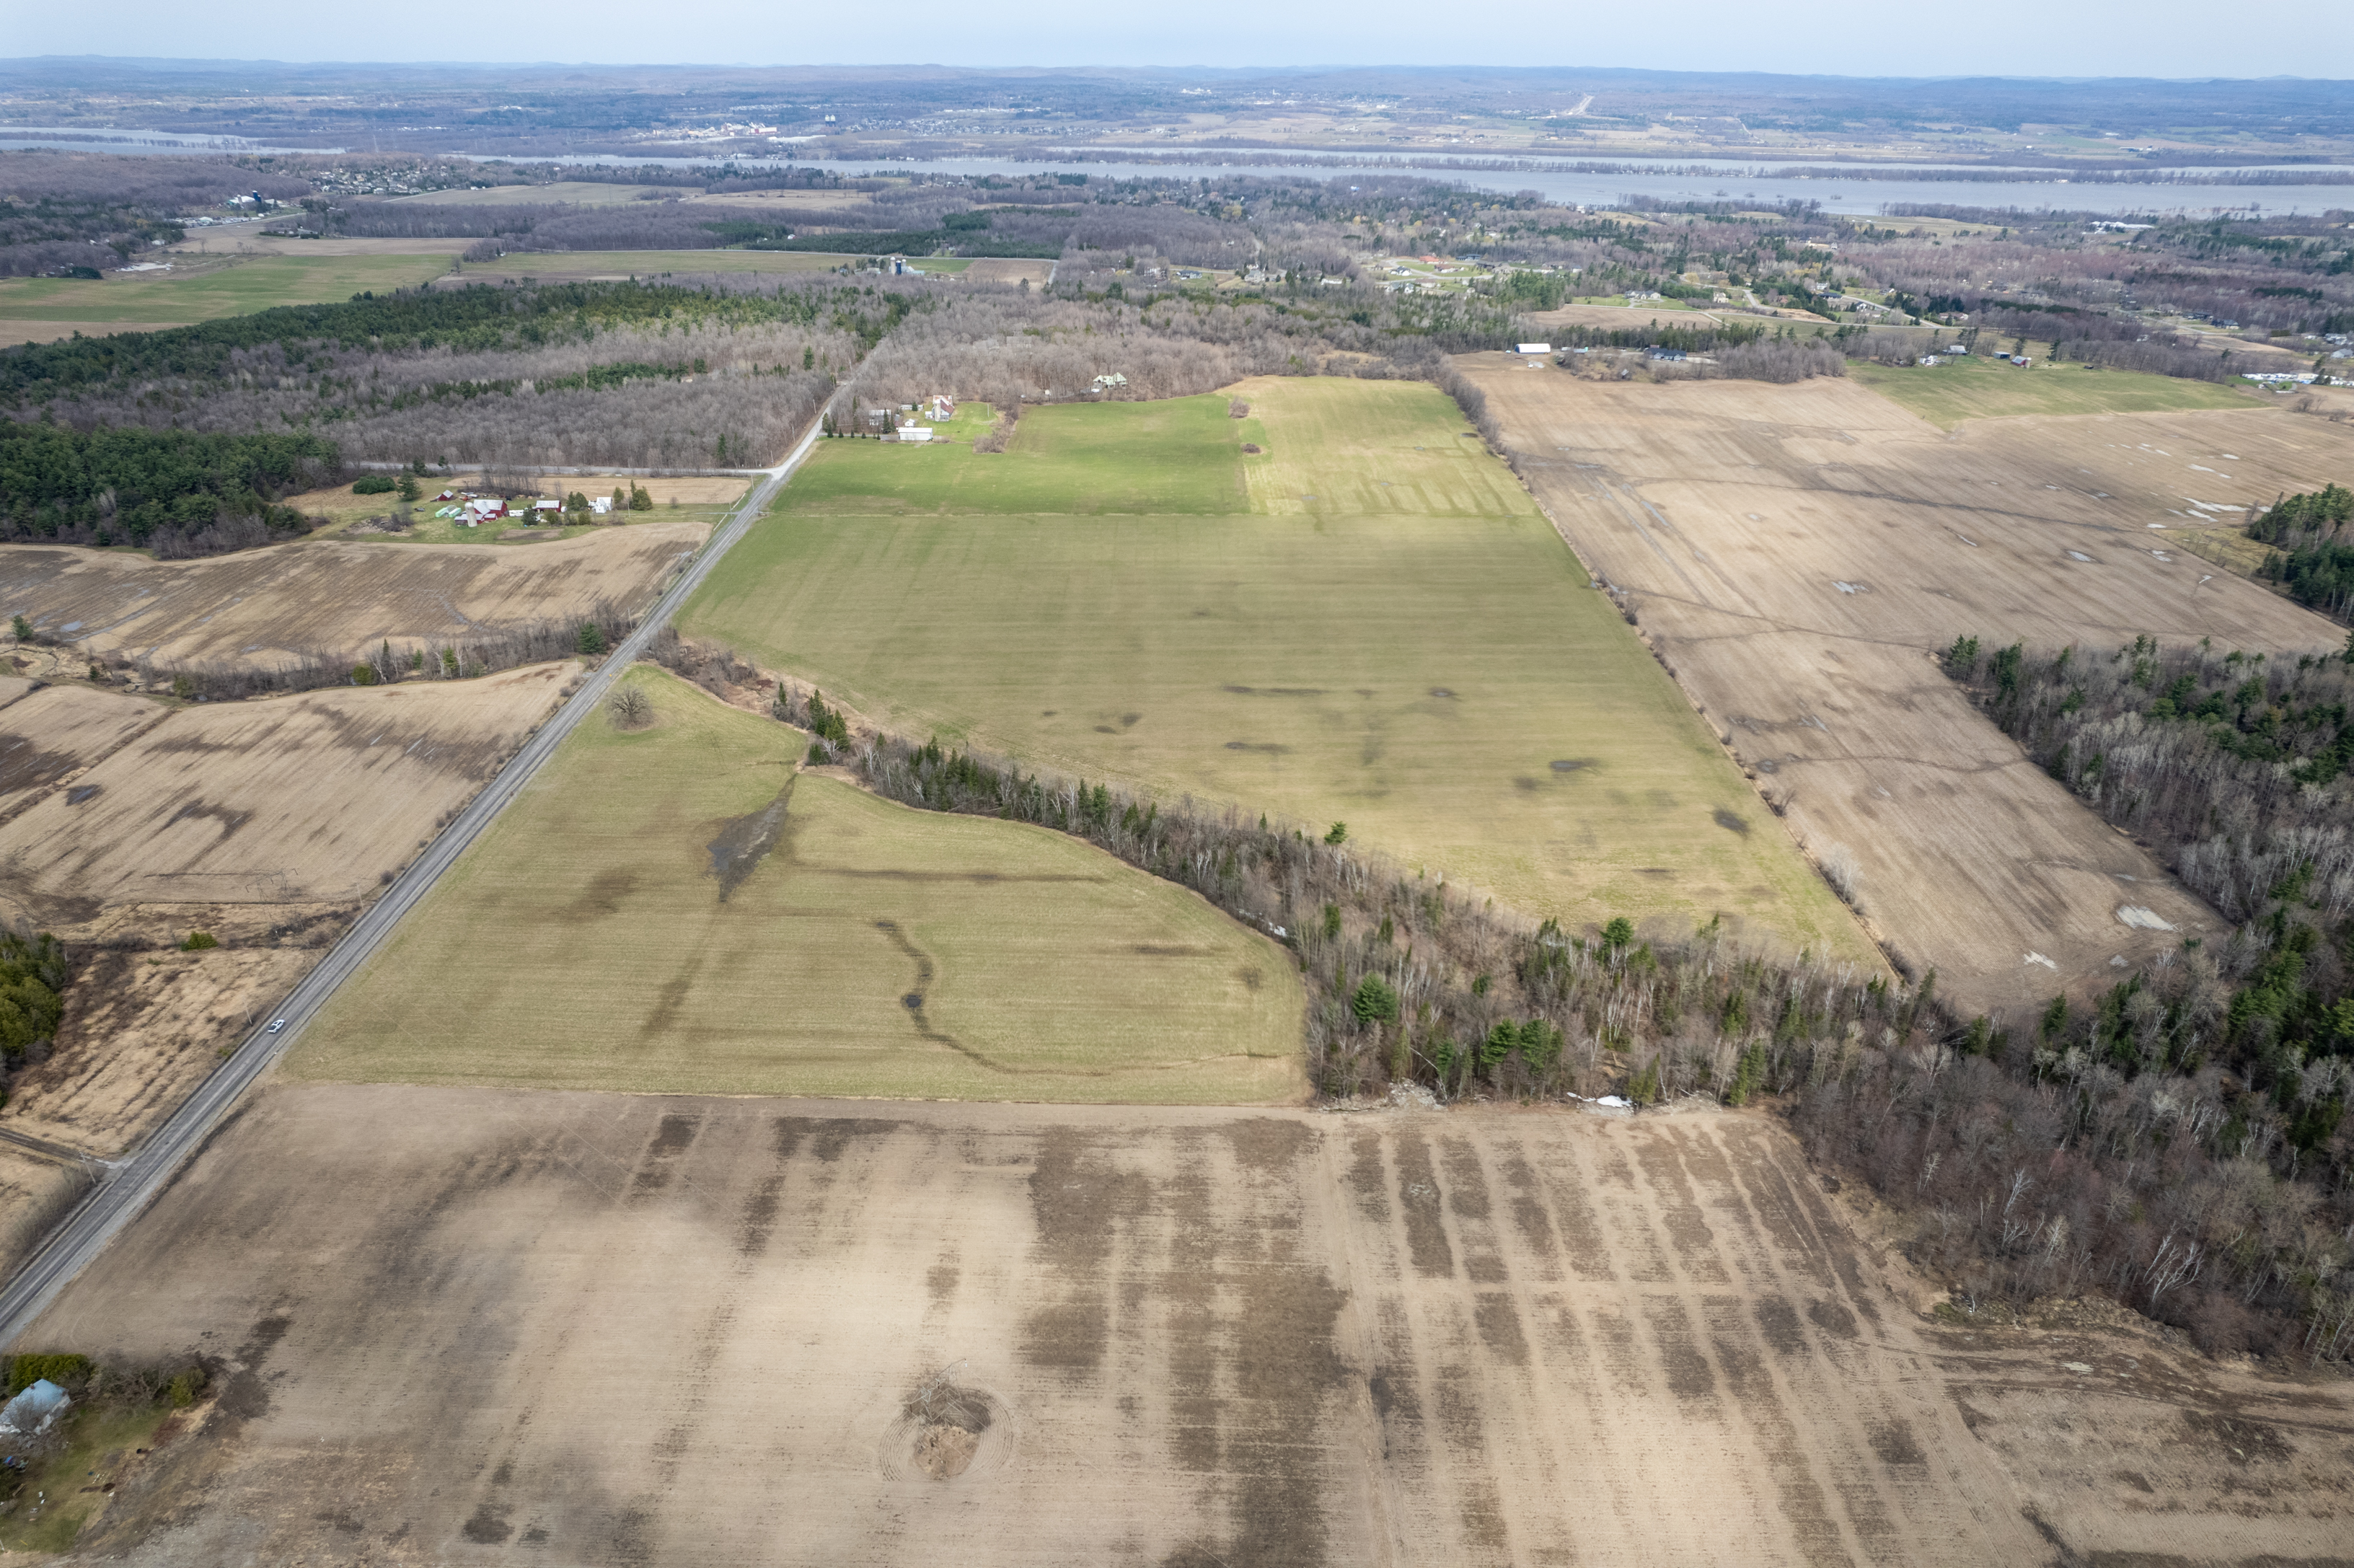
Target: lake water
<point x="2200" y="193"/>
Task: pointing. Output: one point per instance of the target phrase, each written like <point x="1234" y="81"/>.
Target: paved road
<point x="127" y="1187"/>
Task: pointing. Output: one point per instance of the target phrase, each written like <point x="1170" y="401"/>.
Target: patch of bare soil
<point x="280" y="605"/>
<point x="854" y="1333"/>
<point x="1797" y="555"/>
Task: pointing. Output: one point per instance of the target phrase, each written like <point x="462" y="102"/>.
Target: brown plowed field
<point x="1797" y="554"/>
<point x="289" y="800"/>
<point x="326" y="596"/>
<point x="46" y="736"/>
<point x="646" y="1329"/>
<point x="268" y="824"/>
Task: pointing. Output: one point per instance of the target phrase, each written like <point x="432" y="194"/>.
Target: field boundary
<point x="132" y="1183"/>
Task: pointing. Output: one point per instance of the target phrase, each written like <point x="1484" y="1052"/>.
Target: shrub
<point x="198" y="941"/>
<point x="187" y="1387"/>
<point x="592" y="640"/>
<point x="23" y="627"/>
<point x="1839" y="870"/>
<point x="67" y="1372"/>
<point x="1337" y="834"/>
<point x="362" y="675"/>
<point x="372" y="484"/>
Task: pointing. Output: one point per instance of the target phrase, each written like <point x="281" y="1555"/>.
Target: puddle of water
<point x="745" y="842"/>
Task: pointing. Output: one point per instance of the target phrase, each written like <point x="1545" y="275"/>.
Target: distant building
<point x="1534" y="348"/>
<point x="912" y="431"/>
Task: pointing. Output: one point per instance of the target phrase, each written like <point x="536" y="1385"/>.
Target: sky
<point x="2180" y="38"/>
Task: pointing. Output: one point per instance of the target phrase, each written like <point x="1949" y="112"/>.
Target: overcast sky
<point x="2011" y="37"/>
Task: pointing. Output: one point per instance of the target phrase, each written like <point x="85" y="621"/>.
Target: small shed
<point x="35" y="1410"/>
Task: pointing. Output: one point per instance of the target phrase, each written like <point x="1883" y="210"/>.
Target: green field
<point x="203" y="290"/>
<point x="1981" y="387"/>
<point x="1368" y="622"/>
<point x="584" y="943"/>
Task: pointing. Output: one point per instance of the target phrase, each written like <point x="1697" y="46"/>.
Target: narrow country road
<point x="129" y="1183"/>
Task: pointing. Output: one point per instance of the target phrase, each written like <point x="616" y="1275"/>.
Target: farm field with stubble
<point x="1083" y="1334"/>
<point x="1367" y="621"/>
<point x="1800" y="554"/>
<point x="673" y="909"/>
<point x="330" y="597"/>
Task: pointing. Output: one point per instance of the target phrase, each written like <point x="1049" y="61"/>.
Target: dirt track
<point x="1797" y="554"/>
<point x="657" y="1330"/>
<point x="325" y="597"/>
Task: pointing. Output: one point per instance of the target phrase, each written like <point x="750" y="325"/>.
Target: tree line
<point x="33" y="975"/>
<point x="2308" y="560"/>
<point x="483" y="650"/>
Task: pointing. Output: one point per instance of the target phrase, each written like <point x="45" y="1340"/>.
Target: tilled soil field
<point x="271" y="606"/>
<point x="47" y="733"/>
<point x="1797" y="555"/>
<point x="642" y="1330"/>
<point x="317" y="796"/>
<point x="266" y="824"/>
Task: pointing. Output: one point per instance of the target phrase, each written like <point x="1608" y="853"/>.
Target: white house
<point x="912" y="431"/>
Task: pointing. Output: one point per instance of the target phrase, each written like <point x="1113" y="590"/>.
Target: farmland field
<point x="591" y="940"/>
<point x="625" y="1329"/>
<point x="571" y="266"/>
<point x="328" y="596"/>
<point x="1980" y="388"/>
<point x="267" y="824"/>
<point x="199" y="291"/>
<point x="1799" y="555"/>
<point x="1368" y="621"/>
